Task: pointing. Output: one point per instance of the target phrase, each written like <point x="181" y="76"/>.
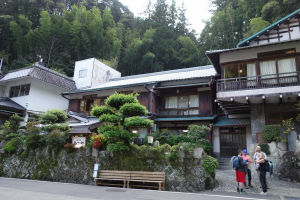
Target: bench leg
<point x="159" y="188"/>
<point x="124" y="185"/>
<point x="128" y="186"/>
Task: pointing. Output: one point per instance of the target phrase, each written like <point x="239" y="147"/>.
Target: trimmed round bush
<point x="133" y="109"/>
<point x="137" y="122"/>
<point x="271" y="133"/>
<point x="117" y="100"/>
<point x="53" y="116"/>
<point x="97" y="111"/>
<point x="265" y="148"/>
<point x="109" y="118"/>
<point x="35" y="141"/>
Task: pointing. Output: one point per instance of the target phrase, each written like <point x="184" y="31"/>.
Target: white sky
<point x="196" y="10"/>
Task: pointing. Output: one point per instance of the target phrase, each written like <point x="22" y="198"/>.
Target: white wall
<point x="42" y="96"/>
<point x="251" y="53"/>
<point x="216" y="140"/>
<point x="97" y="73"/>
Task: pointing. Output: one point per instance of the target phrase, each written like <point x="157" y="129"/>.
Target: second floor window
<point x="182" y="102"/>
<point x="20" y="90"/>
<point x="83" y="73"/>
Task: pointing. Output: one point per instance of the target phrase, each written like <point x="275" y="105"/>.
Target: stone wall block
<point x="198" y="153"/>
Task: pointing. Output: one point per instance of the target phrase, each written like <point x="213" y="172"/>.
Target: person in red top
<point x="248" y="170"/>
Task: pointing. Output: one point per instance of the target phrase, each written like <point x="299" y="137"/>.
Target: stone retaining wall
<point x="183" y="173"/>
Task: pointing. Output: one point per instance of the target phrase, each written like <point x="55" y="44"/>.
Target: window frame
<point x="80" y="75"/>
<point x="16" y="90"/>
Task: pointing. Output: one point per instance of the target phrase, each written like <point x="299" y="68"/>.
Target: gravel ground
<point x="225" y="177"/>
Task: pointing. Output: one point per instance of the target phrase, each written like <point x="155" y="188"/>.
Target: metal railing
<point x="260" y="81"/>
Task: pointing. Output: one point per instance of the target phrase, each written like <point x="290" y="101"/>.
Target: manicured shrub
<point x="137" y="122"/>
<point x="53" y="116"/>
<point x="109" y="118"/>
<point x="271" y="133"/>
<point x="31" y="128"/>
<point x="206" y="145"/>
<point x="56" y="140"/>
<point x="210" y="165"/>
<point x="97" y="111"/>
<point x="117" y="100"/>
<point x="117" y="147"/>
<point x="35" y="141"/>
<point x="196" y="132"/>
<point x="133" y="109"/>
<point x="13" y="144"/>
<point x="265" y="148"/>
<point x="64" y="128"/>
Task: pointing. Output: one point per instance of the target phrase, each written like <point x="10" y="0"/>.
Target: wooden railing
<point x="257" y="82"/>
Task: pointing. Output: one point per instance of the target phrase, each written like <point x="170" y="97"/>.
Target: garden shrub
<point x="13" y="144"/>
<point x="109" y="118"/>
<point x="117" y="100"/>
<point x="265" y="148"/>
<point x="53" y="116"/>
<point x="31" y="128"/>
<point x="34" y="141"/>
<point x="117" y="147"/>
<point x="271" y="133"/>
<point x="97" y="111"/>
<point x="117" y="124"/>
<point x="56" y="140"/>
<point x="137" y="122"/>
<point x="210" y="165"/>
<point x="64" y="128"/>
<point x="206" y="145"/>
<point x="196" y="132"/>
<point x="133" y="109"/>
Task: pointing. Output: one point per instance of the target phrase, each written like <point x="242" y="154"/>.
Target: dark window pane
<point x="14" y="91"/>
<point x="231" y="71"/>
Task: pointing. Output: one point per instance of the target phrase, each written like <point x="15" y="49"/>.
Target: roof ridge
<point x="269" y="27"/>
<point x="163" y="72"/>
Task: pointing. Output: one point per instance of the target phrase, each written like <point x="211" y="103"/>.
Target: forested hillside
<point x="63" y="31"/>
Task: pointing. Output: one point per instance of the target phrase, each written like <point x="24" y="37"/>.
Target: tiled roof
<point x="180" y="74"/>
<point x="41" y="73"/>
<point x="6" y="102"/>
<point x="244" y="42"/>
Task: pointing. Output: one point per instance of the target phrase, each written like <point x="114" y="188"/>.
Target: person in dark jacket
<point x="262" y="172"/>
<point x="240" y="172"/>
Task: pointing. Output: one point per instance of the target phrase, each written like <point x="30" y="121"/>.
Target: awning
<point x="184" y="119"/>
<point x="224" y="122"/>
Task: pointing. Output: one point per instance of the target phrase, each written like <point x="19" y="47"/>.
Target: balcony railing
<point x="258" y="82"/>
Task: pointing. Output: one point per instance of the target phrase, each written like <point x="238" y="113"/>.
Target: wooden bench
<point x="138" y="178"/>
<point x="115" y="177"/>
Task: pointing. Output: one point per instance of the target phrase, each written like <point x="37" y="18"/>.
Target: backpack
<point x="271" y="166"/>
<point x="236" y="162"/>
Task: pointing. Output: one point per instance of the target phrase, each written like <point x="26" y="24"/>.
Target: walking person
<point x="255" y="158"/>
<point x="263" y="166"/>
<point x="248" y="159"/>
<point x="240" y="168"/>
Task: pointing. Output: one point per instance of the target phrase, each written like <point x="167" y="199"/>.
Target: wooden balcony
<point x="259" y="82"/>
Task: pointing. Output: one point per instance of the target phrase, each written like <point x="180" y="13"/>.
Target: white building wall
<point x="216" y="141"/>
<point x="42" y="96"/>
<point x="251" y="53"/>
<point x="96" y="73"/>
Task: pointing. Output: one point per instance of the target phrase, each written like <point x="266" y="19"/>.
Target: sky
<point x="196" y="10"/>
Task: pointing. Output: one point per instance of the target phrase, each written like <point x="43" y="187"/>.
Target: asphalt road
<point x="16" y="189"/>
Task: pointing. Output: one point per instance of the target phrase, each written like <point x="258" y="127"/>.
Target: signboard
<point x="96" y="168"/>
<point x="78" y="141"/>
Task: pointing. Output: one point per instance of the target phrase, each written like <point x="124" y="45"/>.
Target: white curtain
<point x="194" y="101"/>
<point x="251" y="74"/>
<point x="183" y="102"/>
<point x="268" y="72"/>
<point x="171" y="102"/>
<point x="287" y="66"/>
